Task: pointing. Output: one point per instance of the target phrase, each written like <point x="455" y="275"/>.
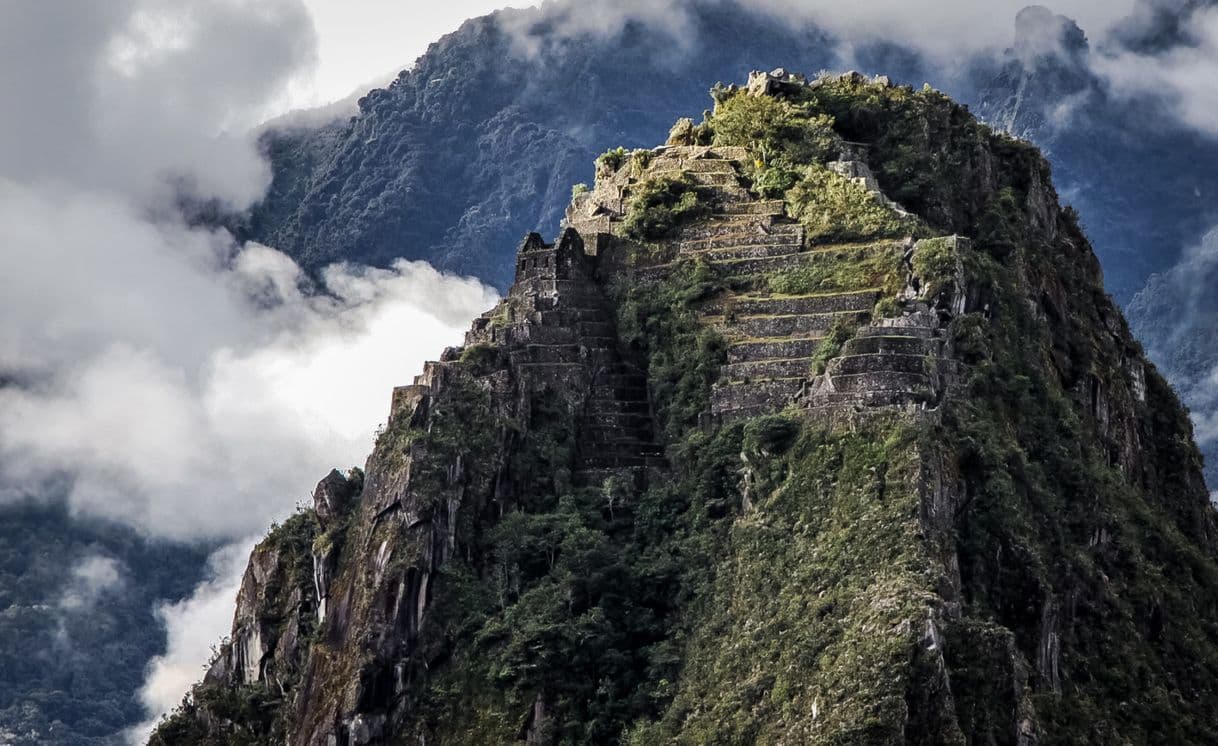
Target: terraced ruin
<point x="773" y="337"/>
<point x="726" y="468"/>
<point x="825" y="348"/>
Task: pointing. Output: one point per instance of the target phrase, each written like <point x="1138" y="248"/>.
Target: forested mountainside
<point x="814" y="425"/>
<point x="78" y="621"/>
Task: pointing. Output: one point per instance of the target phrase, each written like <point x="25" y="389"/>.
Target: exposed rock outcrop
<point x="750" y="453"/>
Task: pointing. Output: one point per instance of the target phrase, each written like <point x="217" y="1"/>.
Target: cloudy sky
<point x="175" y="381"/>
<point x="194" y="388"/>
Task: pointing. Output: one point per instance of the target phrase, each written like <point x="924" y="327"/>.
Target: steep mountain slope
<point x="815" y="425"/>
<point x="1127" y="165"/>
<point x="1131" y="171"/>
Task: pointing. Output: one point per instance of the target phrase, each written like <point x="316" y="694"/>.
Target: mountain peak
<point x="814" y="424"/>
<point x="1041" y="34"/>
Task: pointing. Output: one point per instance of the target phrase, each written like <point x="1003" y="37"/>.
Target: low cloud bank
<point x="194" y="626"/>
<point x="190" y="394"/>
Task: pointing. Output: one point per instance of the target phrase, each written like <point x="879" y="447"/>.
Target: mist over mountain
<point x="473" y="146"/>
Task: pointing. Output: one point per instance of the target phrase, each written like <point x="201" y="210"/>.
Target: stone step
<point x="875" y="344"/>
<point x="766" y="369"/>
<point x="795" y="325"/>
<point x="629" y="379"/>
<point x="878" y="363"/>
<point x="745" y="268"/>
<point x="884" y="329"/>
<point x="858" y="301"/>
<point x="756" y="207"/>
<point x="865" y="399"/>
<point x="704" y="165"/>
<point x="756" y="350"/>
<point x="610" y="407"/>
<point x="621" y="368"/>
<point x="734" y="239"/>
<point x="703" y="178"/>
<point x="603" y="434"/>
<point x="615" y="452"/>
<point x="637" y="476"/>
<point x="748" y="268"/>
<point x="563" y="353"/>
<point x="741" y="235"/>
<point x="602" y="464"/>
<point x="572" y="316"/>
<point x="596" y="329"/>
<point x="880" y="381"/>
<point x="619" y="393"/>
<point x="772" y="395"/>
<point x="616" y="419"/>
<point x="744" y="252"/>
<point x="727" y="225"/>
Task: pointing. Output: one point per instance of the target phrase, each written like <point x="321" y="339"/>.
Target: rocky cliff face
<point x="814" y="425"/>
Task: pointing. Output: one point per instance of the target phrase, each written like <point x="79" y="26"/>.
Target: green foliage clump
<point x="684" y="356"/>
<point x="841" y="331"/>
<point x="936" y="263"/>
<point x="611" y="160"/>
<point x="774" y="130"/>
<point x="770" y="435"/>
<point x="246" y="715"/>
<point x="800" y="634"/>
<point x="774" y="180"/>
<point x="482" y="358"/>
<point x="659" y="206"/>
<point x="853" y="269"/>
<point x="578" y="189"/>
<point x="834" y="208"/>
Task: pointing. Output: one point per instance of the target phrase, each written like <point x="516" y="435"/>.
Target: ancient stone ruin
<point x="557" y="323"/>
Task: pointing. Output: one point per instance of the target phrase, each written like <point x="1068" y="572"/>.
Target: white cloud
<point x="365" y="43"/>
<point x="195" y="625"/>
<point x="201" y="410"/>
<point x="1183" y="75"/>
<point x="122" y="95"/>
<point x="91" y="577"/>
<point x="946" y="31"/>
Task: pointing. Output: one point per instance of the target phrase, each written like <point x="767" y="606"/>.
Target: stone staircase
<point x="772" y="338"/>
<point x="891" y="362"/>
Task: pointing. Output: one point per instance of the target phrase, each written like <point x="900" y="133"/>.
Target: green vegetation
<point x="937" y="264"/>
<point x="249" y="715"/>
<point x="851" y="269"/>
<point x="579" y="189"/>
<point x="834" y="208"/>
<point x="1041" y="485"/>
<point x="842" y="331"/>
<point x="482" y="359"/>
<point x="660" y="321"/>
<point x="775" y="130"/>
<point x="801" y="635"/>
<point x="611" y="160"/>
<point x="659" y="206"/>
